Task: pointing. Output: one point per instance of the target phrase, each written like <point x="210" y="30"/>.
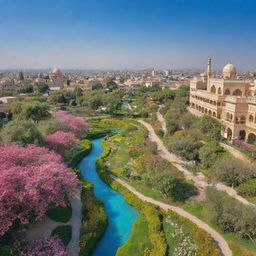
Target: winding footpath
<point x="199" y="179"/>
<point x="222" y="244"/>
<point x="46" y="226"/>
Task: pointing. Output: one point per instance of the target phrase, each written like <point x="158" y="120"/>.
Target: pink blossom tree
<point x="60" y="141"/>
<point x="46" y="246"/>
<point x="31" y="179"/>
<point x="74" y="124"/>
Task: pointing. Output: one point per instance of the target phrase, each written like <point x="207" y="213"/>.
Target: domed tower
<point x="56" y="73"/>
<point x="229" y="72"/>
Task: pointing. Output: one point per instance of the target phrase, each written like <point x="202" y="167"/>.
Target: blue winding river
<point x="121" y="215"/>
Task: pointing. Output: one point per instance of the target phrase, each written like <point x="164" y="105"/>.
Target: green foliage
<point x="233" y="171"/>
<point x="26" y="88"/>
<point x="5" y="250"/>
<point x="188" y="121"/>
<point x="210" y="153"/>
<point x="49" y="126"/>
<point x="21" y="132"/>
<point x="6" y="93"/>
<point x="41" y="88"/>
<point x="60" y="214"/>
<point x="178" y="189"/>
<point x="64" y="233"/>
<point x="248" y="188"/>
<point x="113" y="101"/>
<point x="94" y="220"/>
<point x="78" y="92"/>
<point x="211" y="127"/>
<point x="29" y="110"/>
<point x="205" y="245"/>
<point x="185" y="147"/>
<point x="60" y="97"/>
<point x="77" y="153"/>
<point x="163" y="95"/>
<point x="230" y="214"/>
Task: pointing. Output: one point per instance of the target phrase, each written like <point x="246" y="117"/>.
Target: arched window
<point x="229" y="133"/>
<point x="213" y="89"/>
<point x="251" y="118"/>
<point x="251" y="138"/>
<point x="219" y="90"/>
<point x="227" y="92"/>
<point x="214" y="114"/>
<point x="237" y="92"/>
<point x="242" y="134"/>
<point x="242" y="119"/>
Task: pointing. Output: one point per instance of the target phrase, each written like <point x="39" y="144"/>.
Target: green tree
<point x="26" y="88"/>
<point x="210" y="153"/>
<point x="233" y="171"/>
<point x="41" y="88"/>
<point x="21" y="132"/>
<point x="29" y="110"/>
<point x="211" y="127"/>
<point x="78" y="92"/>
<point x="56" y="97"/>
<point x="113" y="101"/>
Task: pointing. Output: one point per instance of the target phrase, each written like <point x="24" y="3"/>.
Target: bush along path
<point x="222" y="244"/>
<point x="199" y="179"/>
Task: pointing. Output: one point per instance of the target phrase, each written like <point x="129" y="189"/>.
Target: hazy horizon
<point x="122" y="34"/>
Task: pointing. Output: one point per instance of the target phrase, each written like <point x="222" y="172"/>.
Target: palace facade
<point x="229" y="99"/>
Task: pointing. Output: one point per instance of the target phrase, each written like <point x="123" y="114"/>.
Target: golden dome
<point x="56" y="72"/>
<point x="229" y="71"/>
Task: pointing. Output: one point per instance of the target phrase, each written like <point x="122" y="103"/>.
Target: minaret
<point x="209" y="70"/>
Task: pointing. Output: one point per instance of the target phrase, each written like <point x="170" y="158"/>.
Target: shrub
<point x="230" y="214"/>
<point x="209" y="153"/>
<point x="50" y="126"/>
<point x="248" y="188"/>
<point x="64" y="233"/>
<point x="60" y="214"/>
<point x="21" y="132"/>
<point x="233" y="171"/>
<point x="47" y="246"/>
<point x="185" y="147"/>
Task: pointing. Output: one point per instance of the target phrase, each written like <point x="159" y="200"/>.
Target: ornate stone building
<point x="228" y="99"/>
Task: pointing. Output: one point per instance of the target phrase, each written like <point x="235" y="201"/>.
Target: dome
<point x="229" y="68"/>
<point x="229" y="71"/>
<point x="56" y="72"/>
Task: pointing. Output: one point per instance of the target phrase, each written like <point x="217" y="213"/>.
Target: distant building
<point x="57" y="79"/>
<point x="228" y="99"/>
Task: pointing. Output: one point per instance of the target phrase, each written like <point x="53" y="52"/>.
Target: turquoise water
<point x="121" y="215"/>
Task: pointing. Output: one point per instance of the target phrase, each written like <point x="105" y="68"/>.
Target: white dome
<point x="229" y="68"/>
<point x="56" y="71"/>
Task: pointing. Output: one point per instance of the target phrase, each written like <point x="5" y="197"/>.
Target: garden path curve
<point x="222" y="244"/>
<point x="45" y="227"/>
<point x="199" y="179"/>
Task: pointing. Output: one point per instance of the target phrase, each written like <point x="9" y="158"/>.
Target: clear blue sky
<point x="109" y="34"/>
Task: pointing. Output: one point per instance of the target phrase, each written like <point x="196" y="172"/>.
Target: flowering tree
<point x="46" y="246"/>
<point x="74" y="124"/>
<point x="60" y="141"/>
<point x="31" y="179"/>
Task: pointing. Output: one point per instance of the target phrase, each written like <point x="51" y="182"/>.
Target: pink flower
<point x="31" y="179"/>
<point x="60" y="141"/>
<point x="76" y="125"/>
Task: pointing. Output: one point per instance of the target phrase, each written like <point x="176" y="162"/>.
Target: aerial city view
<point x="128" y="128"/>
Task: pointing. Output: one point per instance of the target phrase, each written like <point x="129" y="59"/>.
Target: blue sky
<point x="113" y="34"/>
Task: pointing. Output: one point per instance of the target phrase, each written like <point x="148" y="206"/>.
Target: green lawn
<point x="60" y="214"/>
<point x="138" y="243"/>
<point x="199" y="209"/>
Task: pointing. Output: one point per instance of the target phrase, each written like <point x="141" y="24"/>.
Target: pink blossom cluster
<point x="47" y="246"/>
<point x="74" y="124"/>
<point x="60" y="141"/>
<point x="244" y="146"/>
<point x="31" y="179"/>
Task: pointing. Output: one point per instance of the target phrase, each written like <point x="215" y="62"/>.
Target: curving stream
<point x="121" y="215"/>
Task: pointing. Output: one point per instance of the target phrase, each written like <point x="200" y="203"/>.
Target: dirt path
<point x="199" y="179"/>
<point x="45" y="227"/>
<point x="161" y="120"/>
<point x="222" y="244"/>
<point x="235" y="152"/>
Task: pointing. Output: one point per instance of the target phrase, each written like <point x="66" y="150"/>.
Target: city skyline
<point x="111" y="35"/>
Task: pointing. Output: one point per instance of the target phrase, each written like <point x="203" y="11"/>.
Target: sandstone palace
<point x="227" y="98"/>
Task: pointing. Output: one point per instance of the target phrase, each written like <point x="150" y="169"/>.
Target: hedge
<point x="94" y="220"/>
<point x="64" y="233"/>
<point x="77" y="153"/>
